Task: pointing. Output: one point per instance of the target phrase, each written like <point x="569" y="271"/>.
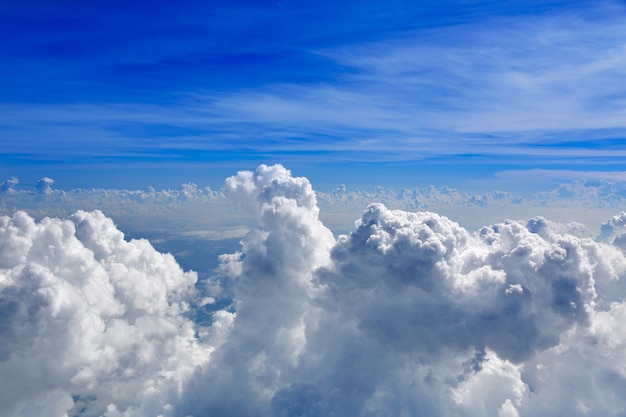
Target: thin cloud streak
<point x="562" y="175"/>
<point x="467" y="88"/>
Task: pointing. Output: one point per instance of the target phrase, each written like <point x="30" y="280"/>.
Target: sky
<point x="312" y="209"/>
<point x="134" y="94"/>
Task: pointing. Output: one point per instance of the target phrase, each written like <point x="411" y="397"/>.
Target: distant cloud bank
<point x="407" y="314"/>
<point x="586" y="198"/>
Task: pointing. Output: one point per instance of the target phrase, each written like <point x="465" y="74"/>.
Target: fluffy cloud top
<point x="44" y="185"/>
<point x="8" y="186"/>
<point x="408" y="314"/>
<point x="91" y="323"/>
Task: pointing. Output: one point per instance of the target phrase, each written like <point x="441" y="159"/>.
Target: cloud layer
<point x="408" y="314"/>
<point x="190" y="210"/>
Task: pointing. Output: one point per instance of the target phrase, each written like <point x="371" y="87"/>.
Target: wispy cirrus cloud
<point x="532" y="86"/>
<point x="500" y="87"/>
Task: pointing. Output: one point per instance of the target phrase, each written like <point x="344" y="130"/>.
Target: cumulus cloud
<point x="421" y="317"/>
<point x="190" y="208"/>
<point x="8" y="185"/>
<point x="411" y="314"/>
<point x="91" y="323"/>
<point x="473" y="210"/>
<point x="407" y="314"/>
<point x="158" y="214"/>
<point x="44" y="185"/>
<point x="272" y="285"/>
<point x="613" y="229"/>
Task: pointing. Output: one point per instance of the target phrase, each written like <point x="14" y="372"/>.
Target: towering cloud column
<point x="272" y="281"/>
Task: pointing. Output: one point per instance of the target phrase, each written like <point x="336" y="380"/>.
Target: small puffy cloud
<point x="44" y="185"/>
<point x="612" y="227"/>
<point x="8" y="185"/>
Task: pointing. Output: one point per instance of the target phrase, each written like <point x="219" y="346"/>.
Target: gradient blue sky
<point x="397" y="93"/>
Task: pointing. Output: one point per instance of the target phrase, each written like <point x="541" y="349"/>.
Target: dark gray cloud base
<point x="409" y="314"/>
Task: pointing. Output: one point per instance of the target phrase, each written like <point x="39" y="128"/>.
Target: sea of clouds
<point x="409" y="314"/>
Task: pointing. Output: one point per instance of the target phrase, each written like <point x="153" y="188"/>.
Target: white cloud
<point x="272" y="286"/>
<point x="408" y="314"/>
<point x="556" y="176"/>
<point x="8" y="185"/>
<point x="612" y="228"/>
<point x="195" y="211"/>
<point x="89" y="320"/>
<point x="413" y="310"/>
<point x="44" y="185"/>
<point x="522" y="74"/>
<point x="494" y="87"/>
<point x="181" y="212"/>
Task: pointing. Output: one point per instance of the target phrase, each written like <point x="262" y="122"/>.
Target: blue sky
<point x="130" y="94"/>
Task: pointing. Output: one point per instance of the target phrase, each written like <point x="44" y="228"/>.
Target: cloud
<point x="492" y="83"/>
<point x="8" y="185"/>
<point x="272" y="282"/>
<point x="562" y="175"/>
<point x="43" y="185"/>
<point x="184" y="211"/>
<point x="417" y="311"/>
<point x="613" y="229"/>
<point x="90" y="322"/>
<point x="407" y="314"/>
